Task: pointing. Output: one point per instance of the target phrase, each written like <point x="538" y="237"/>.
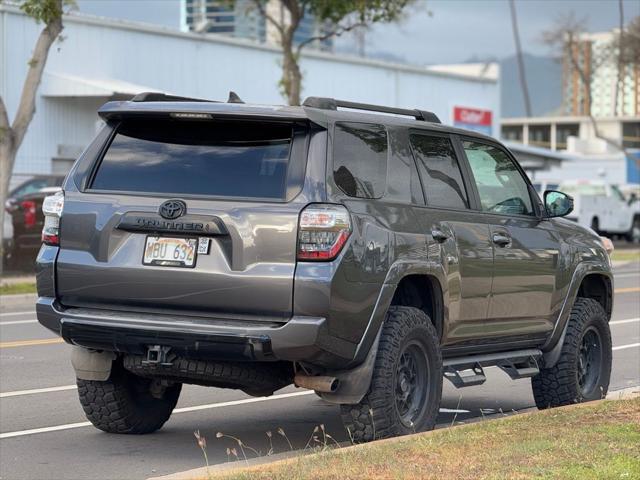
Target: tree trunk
<point x="291" y="76"/>
<point x="7" y="158"/>
<point x="618" y="107"/>
<point x="523" y="77"/>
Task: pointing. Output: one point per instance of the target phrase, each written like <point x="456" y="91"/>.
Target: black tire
<point x="595" y="225"/>
<point x="583" y="371"/>
<point x="124" y="403"/>
<point x="407" y="332"/>
<point x="633" y="236"/>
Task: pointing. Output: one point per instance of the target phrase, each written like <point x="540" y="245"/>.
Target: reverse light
<point x="29" y="212"/>
<point x="322" y="232"/>
<point x="52" y="208"/>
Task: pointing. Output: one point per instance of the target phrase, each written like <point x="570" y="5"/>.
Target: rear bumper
<point x="300" y="339"/>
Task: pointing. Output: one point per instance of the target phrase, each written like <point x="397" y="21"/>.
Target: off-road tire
<point x="376" y="416"/>
<point x="124" y="403"/>
<point x="559" y="385"/>
<point x="633" y="236"/>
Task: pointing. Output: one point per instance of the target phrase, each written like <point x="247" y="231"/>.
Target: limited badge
<point x="203" y="246"/>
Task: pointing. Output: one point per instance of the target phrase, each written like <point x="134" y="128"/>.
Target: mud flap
<point x="91" y="364"/>
<point x="354" y="384"/>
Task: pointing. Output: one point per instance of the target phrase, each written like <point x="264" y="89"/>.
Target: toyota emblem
<point x="172" y="209"/>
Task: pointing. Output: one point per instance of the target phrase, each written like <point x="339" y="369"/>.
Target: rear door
<point x="458" y="236"/>
<point x="188" y="215"/>
<point x="526" y="247"/>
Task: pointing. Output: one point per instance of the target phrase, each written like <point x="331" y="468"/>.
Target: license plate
<point x="170" y="252"/>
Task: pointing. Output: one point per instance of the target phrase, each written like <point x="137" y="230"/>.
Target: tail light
<point x="29" y="211"/>
<point x="52" y="209"/>
<point x="322" y="232"/>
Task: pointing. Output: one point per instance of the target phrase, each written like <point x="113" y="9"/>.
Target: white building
<point x="597" y="55"/>
<point x="582" y="154"/>
<point x="102" y="59"/>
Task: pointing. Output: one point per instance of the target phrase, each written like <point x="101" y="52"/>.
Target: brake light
<point x="29" y="212"/>
<point x="52" y="208"/>
<point x="322" y="232"/>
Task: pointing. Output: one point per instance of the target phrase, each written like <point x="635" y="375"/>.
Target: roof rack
<point x="333" y="104"/>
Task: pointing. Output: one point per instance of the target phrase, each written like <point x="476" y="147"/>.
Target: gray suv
<point x="360" y="251"/>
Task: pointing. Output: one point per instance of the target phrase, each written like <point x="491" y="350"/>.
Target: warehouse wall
<point x="193" y="65"/>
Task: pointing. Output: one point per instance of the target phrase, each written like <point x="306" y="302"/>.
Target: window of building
<point x="540" y="135"/>
<point x="512" y="133"/>
<point x="564" y="131"/>
<point x="631" y="134"/>
<point x="360" y="159"/>
<point x="441" y="177"/>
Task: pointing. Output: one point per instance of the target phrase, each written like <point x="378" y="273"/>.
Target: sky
<point x="435" y="31"/>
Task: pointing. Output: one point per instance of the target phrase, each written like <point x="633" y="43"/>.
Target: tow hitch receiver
<point x="157" y="355"/>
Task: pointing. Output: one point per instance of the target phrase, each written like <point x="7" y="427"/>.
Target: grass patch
<point x="592" y="441"/>
<point x="625" y="256"/>
<point x="15" y="288"/>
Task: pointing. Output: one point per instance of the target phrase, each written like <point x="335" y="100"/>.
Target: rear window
<point x="227" y="159"/>
<point x="360" y="159"/>
<point x="443" y="185"/>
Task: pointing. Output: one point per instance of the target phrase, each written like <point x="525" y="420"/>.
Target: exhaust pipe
<point x="318" y="383"/>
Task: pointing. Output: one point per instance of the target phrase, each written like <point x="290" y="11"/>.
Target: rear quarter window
<point x="360" y="159"/>
<point x="209" y="158"/>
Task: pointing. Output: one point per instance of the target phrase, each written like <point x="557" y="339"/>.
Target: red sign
<point x="471" y="116"/>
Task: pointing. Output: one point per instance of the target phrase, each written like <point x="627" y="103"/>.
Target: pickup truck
<point x="602" y="207"/>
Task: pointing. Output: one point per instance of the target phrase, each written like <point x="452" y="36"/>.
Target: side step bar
<point x="468" y="371"/>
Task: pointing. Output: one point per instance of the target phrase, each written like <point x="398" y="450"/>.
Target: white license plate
<point x="170" y="252"/>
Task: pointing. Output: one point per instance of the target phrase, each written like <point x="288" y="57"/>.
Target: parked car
<point x="602" y="207"/>
<point x="362" y="255"/>
<point x="23" y="224"/>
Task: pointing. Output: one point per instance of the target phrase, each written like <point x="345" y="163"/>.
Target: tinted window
<point x="360" y="159"/>
<point x="501" y="187"/>
<point x="31" y="186"/>
<point x="441" y="177"/>
<point x="230" y="159"/>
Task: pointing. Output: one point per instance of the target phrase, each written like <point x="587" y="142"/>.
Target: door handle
<point x="438" y="235"/>
<point x="501" y="239"/>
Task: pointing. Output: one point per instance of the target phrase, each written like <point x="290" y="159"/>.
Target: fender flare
<point x="355" y="381"/>
<point x="553" y="346"/>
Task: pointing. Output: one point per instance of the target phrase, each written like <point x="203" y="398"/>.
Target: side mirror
<point x="557" y="204"/>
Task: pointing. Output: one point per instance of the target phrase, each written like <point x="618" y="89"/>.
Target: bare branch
<point x="27" y="105"/>
<point x="340" y="30"/>
<point x="4" y="117"/>
<point x="268" y="17"/>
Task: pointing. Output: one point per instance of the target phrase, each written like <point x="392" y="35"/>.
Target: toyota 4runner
<point x="360" y="251"/>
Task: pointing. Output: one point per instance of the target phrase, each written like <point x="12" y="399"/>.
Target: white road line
<point x="19" y="393"/>
<point x="18" y="322"/>
<point x="13" y="314"/>
<point x="195" y="408"/>
<point x="622" y="347"/>
<point x="56" y="428"/>
<point x="626" y="274"/>
<point x="620" y="322"/>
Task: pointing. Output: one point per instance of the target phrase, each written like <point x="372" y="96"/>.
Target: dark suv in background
<point x="364" y="252"/>
<point x="23" y="224"/>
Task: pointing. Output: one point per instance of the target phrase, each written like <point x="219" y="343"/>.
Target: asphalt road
<point x="44" y="434"/>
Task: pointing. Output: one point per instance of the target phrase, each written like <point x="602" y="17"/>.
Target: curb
<point x="17" y="299"/>
<point x="624" y="393"/>
<point x="206" y="472"/>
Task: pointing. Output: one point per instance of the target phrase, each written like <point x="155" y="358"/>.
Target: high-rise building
<point x="243" y="20"/>
<point x="592" y="67"/>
